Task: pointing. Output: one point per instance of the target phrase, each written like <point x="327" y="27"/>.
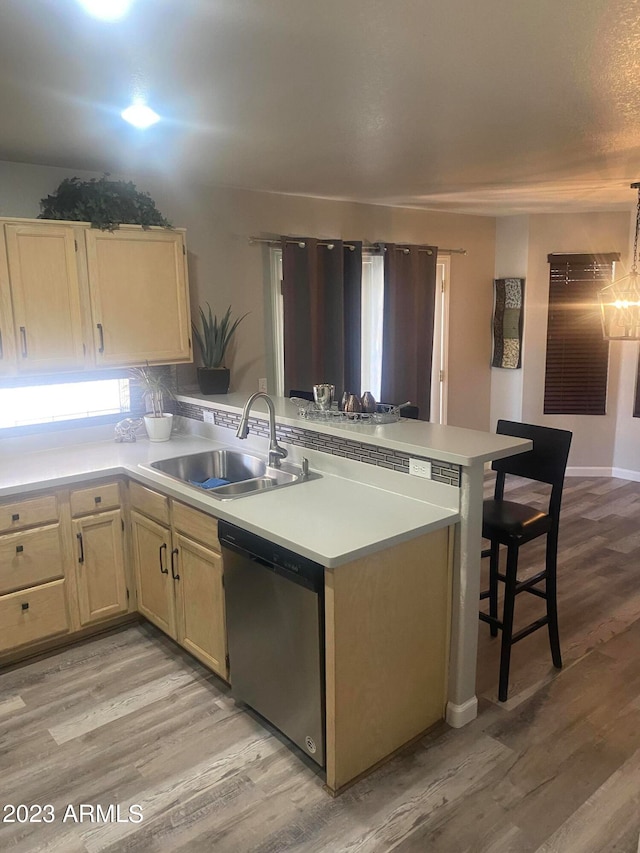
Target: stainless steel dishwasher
<point x="275" y="629"/>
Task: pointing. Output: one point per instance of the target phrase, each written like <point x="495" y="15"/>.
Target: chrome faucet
<point x="276" y="453"/>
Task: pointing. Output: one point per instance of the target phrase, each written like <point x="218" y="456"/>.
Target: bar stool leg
<point x="552" y="598"/>
<point x="494" y="564"/>
<point x="507" y="620"/>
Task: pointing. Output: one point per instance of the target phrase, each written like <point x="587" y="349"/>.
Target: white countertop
<point x="417" y="438"/>
<point x="329" y="519"/>
<point x="332" y="518"/>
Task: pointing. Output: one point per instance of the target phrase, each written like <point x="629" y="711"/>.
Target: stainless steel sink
<point x="244" y="474"/>
<point x="223" y="464"/>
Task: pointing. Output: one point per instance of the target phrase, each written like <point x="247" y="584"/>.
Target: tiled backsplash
<point x="441" y="472"/>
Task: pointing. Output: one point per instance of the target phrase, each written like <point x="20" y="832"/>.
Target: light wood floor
<point x="128" y="718"/>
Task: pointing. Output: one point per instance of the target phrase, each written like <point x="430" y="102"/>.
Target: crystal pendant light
<point x="620" y="301"/>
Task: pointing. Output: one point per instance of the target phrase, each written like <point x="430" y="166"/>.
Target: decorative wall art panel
<point x="507" y="322"/>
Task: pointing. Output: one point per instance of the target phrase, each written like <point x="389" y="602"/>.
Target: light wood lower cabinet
<point x="64" y="553"/>
<point x="100" y="568"/>
<point x="179" y="575"/>
<point x="150" y="550"/>
<point x="33" y="614"/>
<point x="30" y="557"/>
<point x="200" y="602"/>
<point x="33" y="602"/>
<point x="97" y="544"/>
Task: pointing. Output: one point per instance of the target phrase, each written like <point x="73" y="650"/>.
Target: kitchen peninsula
<point x="362" y="513"/>
<point x="457" y="457"/>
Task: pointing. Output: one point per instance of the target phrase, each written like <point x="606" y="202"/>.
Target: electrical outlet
<point x="262" y="385"/>
<point x="207" y="416"/>
<point x="420" y="468"/>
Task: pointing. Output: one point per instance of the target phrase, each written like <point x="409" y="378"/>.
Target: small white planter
<point x="159" y="429"/>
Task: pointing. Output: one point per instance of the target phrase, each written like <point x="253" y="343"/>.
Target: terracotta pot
<point x="213" y="380"/>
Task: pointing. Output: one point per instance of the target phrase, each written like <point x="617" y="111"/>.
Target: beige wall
<point x="225" y="270"/>
<point x="512" y="250"/>
<point x="598" y="441"/>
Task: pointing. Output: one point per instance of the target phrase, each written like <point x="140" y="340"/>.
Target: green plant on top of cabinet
<point x="105" y="203"/>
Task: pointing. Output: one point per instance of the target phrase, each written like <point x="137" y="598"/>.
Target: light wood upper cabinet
<point x="139" y="296"/>
<point x="75" y="298"/>
<point x="8" y="363"/>
<point x="100" y="567"/>
<point x="45" y="294"/>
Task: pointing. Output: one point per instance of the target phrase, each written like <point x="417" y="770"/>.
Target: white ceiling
<point x="499" y="106"/>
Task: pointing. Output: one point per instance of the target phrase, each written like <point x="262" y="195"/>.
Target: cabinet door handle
<point x="23" y="338"/>
<point x="81" y="544"/>
<point x="174" y="574"/>
<point x="19" y="549"/>
<point x="100" y="329"/>
<point x="25" y="605"/>
<point x="163" y="569"/>
<point x="15" y="516"/>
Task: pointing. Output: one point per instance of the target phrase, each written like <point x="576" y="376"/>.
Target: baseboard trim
<point x="626" y="474"/>
<point x="459" y="715"/>
<point x="621" y="473"/>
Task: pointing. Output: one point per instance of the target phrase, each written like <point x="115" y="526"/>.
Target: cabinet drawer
<point x="15" y="516"/>
<point x="95" y="499"/>
<point x="32" y="614"/>
<point x="197" y="525"/>
<point x="149" y="502"/>
<point x="29" y="558"/>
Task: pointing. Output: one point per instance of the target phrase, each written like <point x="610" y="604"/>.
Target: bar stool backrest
<point x="546" y="463"/>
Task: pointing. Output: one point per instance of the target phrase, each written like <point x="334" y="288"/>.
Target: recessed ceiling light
<point x="140" y="115"/>
<point x="106" y="10"/>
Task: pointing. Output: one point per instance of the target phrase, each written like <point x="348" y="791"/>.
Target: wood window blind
<point x="577" y="354"/>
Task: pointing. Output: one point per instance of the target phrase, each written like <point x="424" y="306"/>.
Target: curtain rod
<point x="401" y="247"/>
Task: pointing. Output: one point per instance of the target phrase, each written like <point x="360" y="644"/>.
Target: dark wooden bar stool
<point x="514" y="524"/>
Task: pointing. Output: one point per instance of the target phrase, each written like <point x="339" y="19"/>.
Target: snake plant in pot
<point x="155" y="386"/>
<point x="213" y="340"/>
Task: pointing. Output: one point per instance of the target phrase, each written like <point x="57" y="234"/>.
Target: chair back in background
<point x="546" y="463"/>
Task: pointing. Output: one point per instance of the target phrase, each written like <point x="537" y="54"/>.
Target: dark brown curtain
<point x="322" y="306"/>
<point x="407" y="336"/>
